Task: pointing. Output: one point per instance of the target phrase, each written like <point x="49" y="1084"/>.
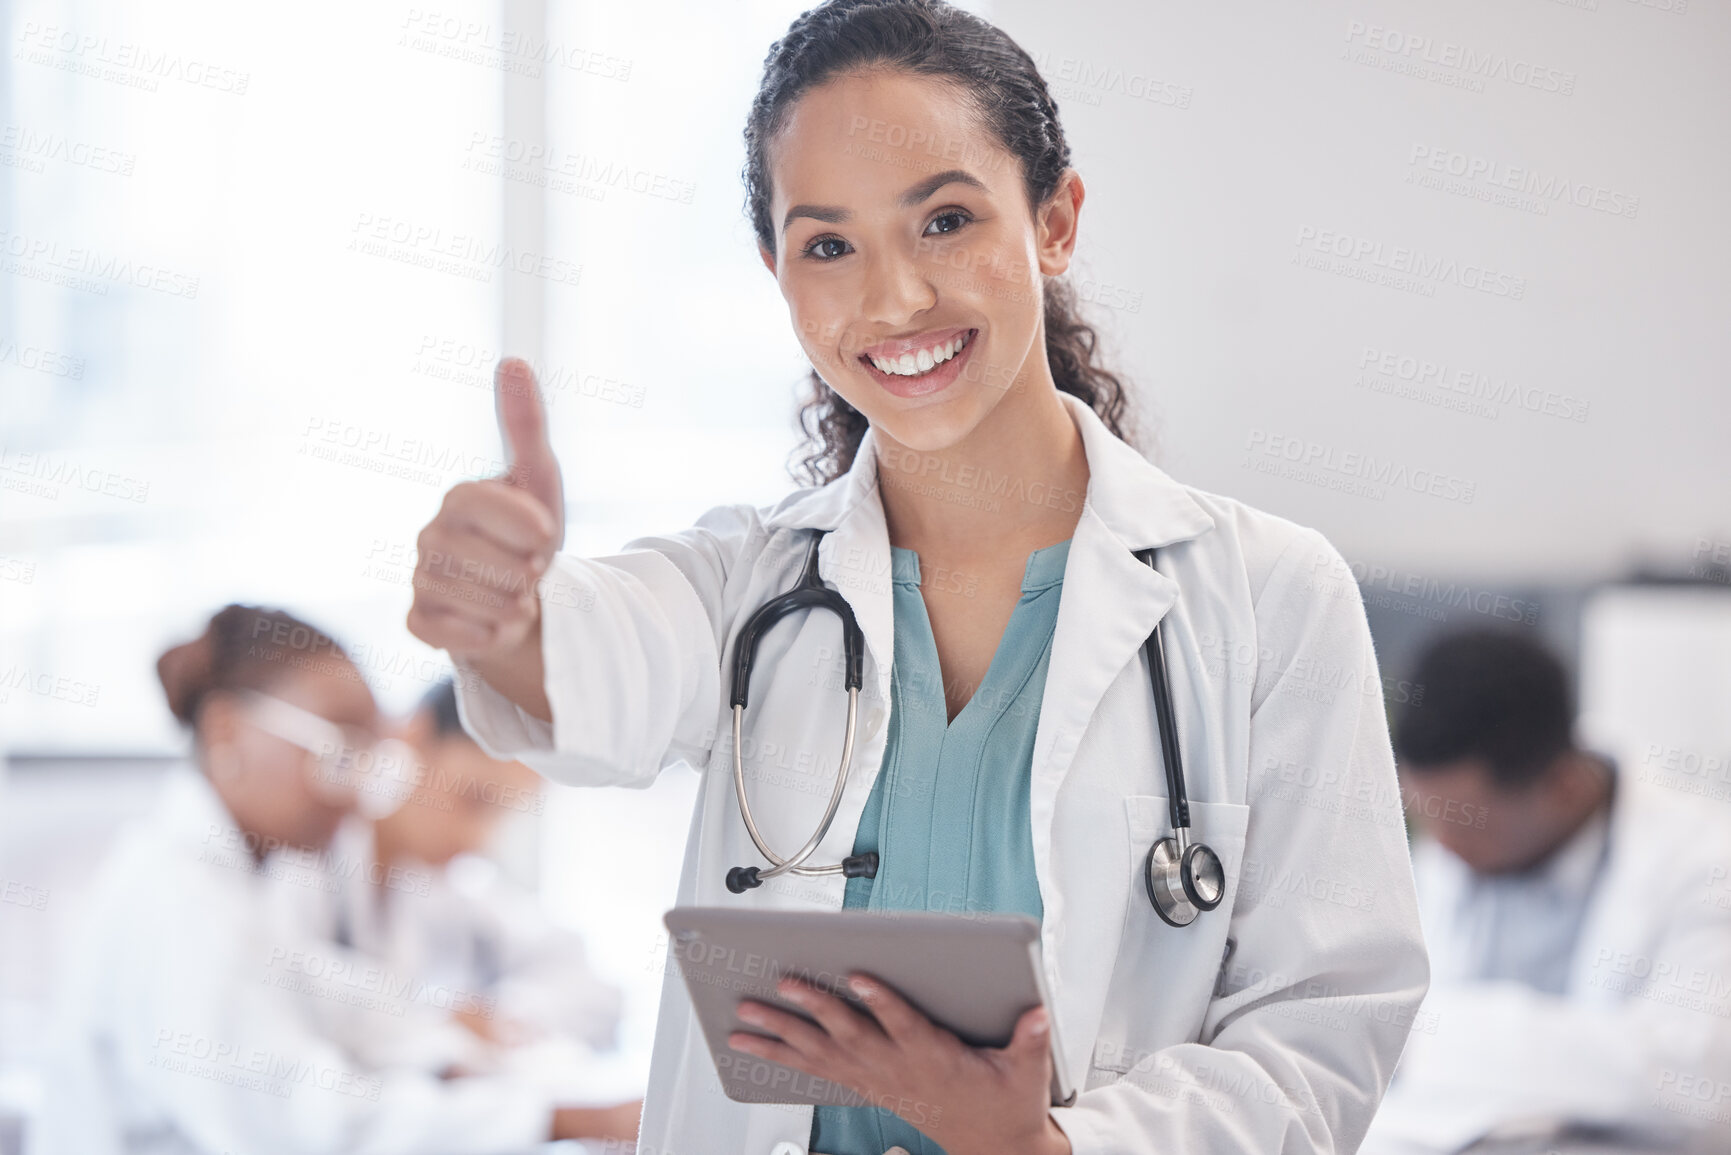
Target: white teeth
<point x="913" y="364"/>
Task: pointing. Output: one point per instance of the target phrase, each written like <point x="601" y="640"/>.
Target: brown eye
<point x="959" y="216"/>
<point x="810" y="250"/>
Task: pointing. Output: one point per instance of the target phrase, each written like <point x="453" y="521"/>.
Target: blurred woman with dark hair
<point x="197" y="1013"/>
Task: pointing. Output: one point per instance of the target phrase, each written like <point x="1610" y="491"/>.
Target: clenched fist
<point x="485" y="551"/>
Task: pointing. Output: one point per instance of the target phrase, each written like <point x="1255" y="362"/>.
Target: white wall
<point x="1212" y="136"/>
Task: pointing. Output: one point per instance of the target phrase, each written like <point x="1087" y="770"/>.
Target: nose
<point x="896" y="289"/>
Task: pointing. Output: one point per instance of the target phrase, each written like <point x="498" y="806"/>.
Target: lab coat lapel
<point x="1111" y="602"/>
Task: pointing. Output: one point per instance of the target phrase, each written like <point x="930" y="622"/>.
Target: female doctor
<point x="909" y="186"/>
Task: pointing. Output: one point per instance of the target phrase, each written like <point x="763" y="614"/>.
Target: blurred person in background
<point x="519" y="990"/>
<point x="176" y="1032"/>
<point x="1580" y="973"/>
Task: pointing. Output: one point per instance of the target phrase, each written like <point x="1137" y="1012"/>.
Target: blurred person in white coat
<point x="1578" y="916"/>
<point x="963" y="419"/>
<point x="196" y="1014"/>
<point x="471" y="942"/>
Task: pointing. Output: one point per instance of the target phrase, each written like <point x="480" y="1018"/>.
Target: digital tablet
<point x="973" y="974"/>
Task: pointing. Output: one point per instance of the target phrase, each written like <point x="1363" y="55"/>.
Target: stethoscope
<point x="1183" y="878"/>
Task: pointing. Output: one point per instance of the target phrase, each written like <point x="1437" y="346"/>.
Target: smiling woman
<point x="992" y="534"/>
<point x="857" y="98"/>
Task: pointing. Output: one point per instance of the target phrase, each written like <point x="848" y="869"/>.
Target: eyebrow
<point x="831" y="215"/>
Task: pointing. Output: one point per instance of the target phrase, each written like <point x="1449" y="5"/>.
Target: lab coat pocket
<point x="1164" y="976"/>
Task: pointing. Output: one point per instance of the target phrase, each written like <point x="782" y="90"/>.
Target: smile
<point x="924" y="360"/>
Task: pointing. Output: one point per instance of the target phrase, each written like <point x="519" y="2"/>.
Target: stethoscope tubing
<point x="792" y="865"/>
<point x="809" y="593"/>
<point x="1175" y="859"/>
<point x="1177" y="799"/>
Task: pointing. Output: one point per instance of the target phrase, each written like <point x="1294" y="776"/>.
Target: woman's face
<point x="274" y="788"/>
<point x="902" y="227"/>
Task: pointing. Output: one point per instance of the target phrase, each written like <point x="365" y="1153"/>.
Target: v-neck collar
<point x="1044" y="568"/>
<point x="1043" y="571"/>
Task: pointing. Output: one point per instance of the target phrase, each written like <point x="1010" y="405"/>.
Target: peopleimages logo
<point x="1462" y="65"/>
<point x="124" y="62"/>
<point x="1466" y="383"/>
<point x="1365" y="470"/>
<point x="1497" y="177"/>
<point x="87" y="269"/>
<point x="32" y="149"/>
<point x="1367" y="258"/>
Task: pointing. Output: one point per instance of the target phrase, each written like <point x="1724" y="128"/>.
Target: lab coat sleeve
<point x="1328" y="965"/>
<point x="632" y="647"/>
<point x="1658" y="1062"/>
<point x="233" y="1061"/>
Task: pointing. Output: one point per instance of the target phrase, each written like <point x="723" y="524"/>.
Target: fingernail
<point x="860" y="987"/>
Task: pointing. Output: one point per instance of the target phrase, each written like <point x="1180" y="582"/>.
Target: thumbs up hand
<point x="523" y="429"/>
<point x="484" y="552"/>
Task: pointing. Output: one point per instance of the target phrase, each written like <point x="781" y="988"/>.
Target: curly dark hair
<point x="242" y="648"/>
<point x="1004" y="88"/>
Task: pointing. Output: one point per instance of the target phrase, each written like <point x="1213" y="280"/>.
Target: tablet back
<point x="974" y="974"/>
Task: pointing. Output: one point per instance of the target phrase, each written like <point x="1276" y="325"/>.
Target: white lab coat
<point x="1288" y="1045"/>
<point x="197" y="1016"/>
<point x="1641" y="1038"/>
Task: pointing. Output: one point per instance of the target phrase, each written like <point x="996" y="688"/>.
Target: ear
<point x="219" y="723"/>
<point x="218" y="718"/>
<point x="1057" y="224"/>
<point x="768" y="259"/>
<point x="1572" y="776"/>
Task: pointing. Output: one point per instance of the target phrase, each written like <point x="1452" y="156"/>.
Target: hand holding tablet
<point x="941" y="997"/>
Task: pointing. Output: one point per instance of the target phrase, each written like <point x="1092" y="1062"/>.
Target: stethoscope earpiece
<point x="743" y="878"/>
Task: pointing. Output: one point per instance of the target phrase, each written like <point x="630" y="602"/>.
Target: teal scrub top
<point x="948" y="814"/>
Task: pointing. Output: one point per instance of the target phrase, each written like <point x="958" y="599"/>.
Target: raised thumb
<point x="523" y="430"/>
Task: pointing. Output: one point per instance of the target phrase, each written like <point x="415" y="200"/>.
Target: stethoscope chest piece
<point x="1182" y="881"/>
